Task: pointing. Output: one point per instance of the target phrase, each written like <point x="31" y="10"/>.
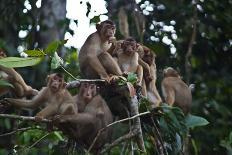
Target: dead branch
<point x="18" y="130"/>
<point x="23" y="118"/>
<point x="116" y="122"/>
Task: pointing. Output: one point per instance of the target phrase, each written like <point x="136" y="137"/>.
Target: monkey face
<point x="108" y="30"/>
<point x="129" y="47"/>
<point x="148" y="58"/>
<point x="88" y="91"/>
<point x="55" y="82"/>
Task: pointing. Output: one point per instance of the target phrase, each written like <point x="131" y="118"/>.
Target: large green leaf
<point x="5" y="83"/>
<point x="194" y="121"/>
<point x="13" y="62"/>
<point x="35" y="53"/>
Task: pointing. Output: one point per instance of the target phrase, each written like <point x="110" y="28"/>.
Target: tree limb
<point x="23" y="118"/>
<point x="76" y="83"/>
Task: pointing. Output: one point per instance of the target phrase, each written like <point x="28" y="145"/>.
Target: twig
<point x="37" y="141"/>
<point x="116" y="122"/>
<point x="119" y="140"/>
<point x="23" y="118"/>
<point x="190" y="47"/>
<point x="15" y="131"/>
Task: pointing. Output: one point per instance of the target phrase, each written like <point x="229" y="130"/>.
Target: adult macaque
<point x="20" y="87"/>
<point x="149" y="82"/>
<point x="175" y="91"/>
<point x="55" y="98"/>
<point x="94" y="59"/>
<point x="128" y="59"/>
<point x="93" y="115"/>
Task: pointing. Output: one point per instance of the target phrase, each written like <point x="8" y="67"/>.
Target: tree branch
<point x="14" y="131"/>
<point x="116" y="122"/>
<point x="76" y="83"/>
<point x="190" y="47"/>
<point x="23" y="118"/>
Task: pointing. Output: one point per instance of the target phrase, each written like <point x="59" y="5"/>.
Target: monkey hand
<point x="105" y="77"/>
<point x="113" y="78"/>
<point x="58" y="119"/>
<point x="31" y="91"/>
<point x="149" y="78"/>
<point x="112" y="40"/>
<point x="38" y="118"/>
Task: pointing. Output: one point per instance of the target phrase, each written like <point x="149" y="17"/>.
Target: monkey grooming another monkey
<point x="94" y="59"/>
<point x="93" y="115"/>
<point x="20" y="89"/>
<point x="55" y="99"/>
<point x="175" y="91"/>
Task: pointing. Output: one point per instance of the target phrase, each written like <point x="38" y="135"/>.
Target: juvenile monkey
<point x="20" y="87"/>
<point x="175" y="91"/>
<point x="94" y="59"/>
<point x="54" y="97"/>
<point x="149" y="82"/>
<point x="93" y="115"/>
<point x="128" y="59"/>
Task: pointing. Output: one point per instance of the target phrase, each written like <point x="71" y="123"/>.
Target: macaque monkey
<point x="54" y="97"/>
<point x="93" y="115"/>
<point x="94" y="59"/>
<point x="149" y="77"/>
<point x="128" y="59"/>
<point x="20" y="89"/>
<point x="175" y="91"/>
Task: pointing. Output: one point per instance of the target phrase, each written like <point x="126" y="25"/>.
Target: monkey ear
<point x="98" y="27"/>
<point x="65" y="84"/>
<point x="47" y="78"/>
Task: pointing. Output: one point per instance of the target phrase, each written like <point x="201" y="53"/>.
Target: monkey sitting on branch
<point x="94" y="58"/>
<point x="54" y="98"/>
<point x="175" y="91"/>
<point x="91" y="115"/>
<point x="20" y="89"/>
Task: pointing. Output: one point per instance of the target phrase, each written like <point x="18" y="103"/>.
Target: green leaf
<point x="58" y="135"/>
<point x="35" y="53"/>
<point x="13" y="62"/>
<point x="132" y="78"/>
<point x="56" y="61"/>
<point x="52" y="47"/>
<point x="5" y="83"/>
<point x="194" y="121"/>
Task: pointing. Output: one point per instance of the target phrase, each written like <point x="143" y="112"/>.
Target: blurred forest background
<point x="193" y="36"/>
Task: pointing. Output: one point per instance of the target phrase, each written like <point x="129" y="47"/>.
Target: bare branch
<point x="76" y="83"/>
<point x="116" y="122"/>
<point x="23" y="118"/>
<point x="15" y="131"/>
